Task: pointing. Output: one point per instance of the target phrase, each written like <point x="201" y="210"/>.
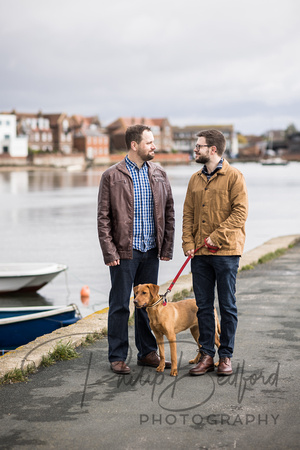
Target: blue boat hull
<point x="15" y="334"/>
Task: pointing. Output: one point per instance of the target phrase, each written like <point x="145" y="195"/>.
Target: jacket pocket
<point x="230" y="239"/>
<point x="119" y="182"/>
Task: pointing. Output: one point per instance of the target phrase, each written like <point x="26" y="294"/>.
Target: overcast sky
<point x="193" y="61"/>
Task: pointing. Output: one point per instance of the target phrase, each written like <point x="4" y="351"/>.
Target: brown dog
<point x="169" y="320"/>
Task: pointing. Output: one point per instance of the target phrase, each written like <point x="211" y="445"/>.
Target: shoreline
<point x="75" y="165"/>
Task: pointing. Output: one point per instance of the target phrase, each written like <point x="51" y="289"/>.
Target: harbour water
<point x="50" y="216"/>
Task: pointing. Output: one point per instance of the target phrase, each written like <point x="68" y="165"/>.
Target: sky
<point x="192" y="61"/>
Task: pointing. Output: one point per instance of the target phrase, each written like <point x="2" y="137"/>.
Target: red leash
<point x="211" y="248"/>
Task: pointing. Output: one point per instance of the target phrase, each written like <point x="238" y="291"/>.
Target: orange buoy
<point x="85" y="295"/>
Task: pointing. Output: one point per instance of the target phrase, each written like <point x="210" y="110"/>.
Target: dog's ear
<point x="153" y="288"/>
<point x="135" y="289"/>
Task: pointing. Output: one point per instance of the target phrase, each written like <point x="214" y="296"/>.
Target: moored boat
<point x="274" y="162"/>
<point x="27" y="277"/>
<point x="21" y="325"/>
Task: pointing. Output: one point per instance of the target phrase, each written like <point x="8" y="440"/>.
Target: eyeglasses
<point x="198" y="147"/>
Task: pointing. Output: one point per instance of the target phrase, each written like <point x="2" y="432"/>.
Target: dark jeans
<point x="207" y="271"/>
<point x="143" y="268"/>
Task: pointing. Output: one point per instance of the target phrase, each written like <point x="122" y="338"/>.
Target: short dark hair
<point x="216" y="138"/>
<point x="134" y="133"/>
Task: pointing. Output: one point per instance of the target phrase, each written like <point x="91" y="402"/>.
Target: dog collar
<point x="161" y="298"/>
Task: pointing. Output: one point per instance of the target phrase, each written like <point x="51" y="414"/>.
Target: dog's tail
<point x="217" y="322"/>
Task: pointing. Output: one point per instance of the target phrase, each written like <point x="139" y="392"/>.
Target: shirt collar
<point x="133" y="164"/>
<point x="219" y="166"/>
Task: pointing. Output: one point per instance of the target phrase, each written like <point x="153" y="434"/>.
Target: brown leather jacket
<point x="217" y="208"/>
<point x="116" y="210"/>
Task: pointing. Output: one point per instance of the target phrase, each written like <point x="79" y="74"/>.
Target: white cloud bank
<point x="193" y="61"/>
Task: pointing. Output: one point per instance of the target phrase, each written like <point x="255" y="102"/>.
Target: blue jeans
<point x="207" y="271"/>
<point x="143" y="268"/>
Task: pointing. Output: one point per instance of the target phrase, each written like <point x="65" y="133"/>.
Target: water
<point x="50" y="216"/>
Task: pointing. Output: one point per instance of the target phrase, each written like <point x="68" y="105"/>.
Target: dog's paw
<point x="174" y="373"/>
<point x="160" y="368"/>
<point x="195" y="360"/>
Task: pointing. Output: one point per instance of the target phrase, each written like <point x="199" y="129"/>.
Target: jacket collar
<point x="122" y="167"/>
<point x="225" y="167"/>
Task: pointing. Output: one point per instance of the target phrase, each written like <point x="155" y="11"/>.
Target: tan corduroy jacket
<point x="217" y="208"/>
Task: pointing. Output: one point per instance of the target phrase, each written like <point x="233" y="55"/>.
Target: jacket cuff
<point x="111" y="258"/>
<point x="188" y="247"/>
<point x="215" y="239"/>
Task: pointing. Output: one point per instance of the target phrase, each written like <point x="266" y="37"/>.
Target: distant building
<point x="89" y="137"/>
<point x="275" y="139"/>
<point x="11" y="144"/>
<point x="293" y="144"/>
<point x="37" y="129"/>
<point x="185" y="138"/>
<point x="62" y="132"/>
<point x="46" y="132"/>
<point x="161" y="130"/>
<point x="253" y="148"/>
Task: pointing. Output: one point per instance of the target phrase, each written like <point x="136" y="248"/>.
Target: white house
<point x="10" y="143"/>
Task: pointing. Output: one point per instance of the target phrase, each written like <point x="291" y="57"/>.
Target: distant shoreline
<point x="163" y="159"/>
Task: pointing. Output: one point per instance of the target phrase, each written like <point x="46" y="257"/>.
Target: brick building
<point x="62" y="132"/>
<point x="89" y="137"/>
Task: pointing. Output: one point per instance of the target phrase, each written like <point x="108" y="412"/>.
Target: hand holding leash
<point x="211" y="248"/>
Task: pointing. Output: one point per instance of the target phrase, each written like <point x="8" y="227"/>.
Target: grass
<point x="181" y="295"/>
<point x="266" y="258"/>
<point x="248" y="267"/>
<point x="62" y="352"/>
<point x="93" y="337"/>
<point x="273" y="255"/>
<point x="17" y="375"/>
<point x="131" y="320"/>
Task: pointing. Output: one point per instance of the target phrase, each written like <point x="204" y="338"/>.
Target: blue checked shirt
<point x="143" y="224"/>
<point x="209" y="175"/>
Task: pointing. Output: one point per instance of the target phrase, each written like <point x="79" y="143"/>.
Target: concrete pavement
<point x="82" y="404"/>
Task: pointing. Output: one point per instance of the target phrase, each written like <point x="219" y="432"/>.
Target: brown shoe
<point x="152" y="360"/>
<point x="224" y="367"/>
<point x="205" y="364"/>
<point x="119" y="367"/>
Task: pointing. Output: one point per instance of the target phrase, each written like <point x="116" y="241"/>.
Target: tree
<point x="291" y="129"/>
<point x="242" y="139"/>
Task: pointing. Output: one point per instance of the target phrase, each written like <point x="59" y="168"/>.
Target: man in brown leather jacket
<point x="136" y="229"/>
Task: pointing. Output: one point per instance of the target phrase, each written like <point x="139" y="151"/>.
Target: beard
<point x="202" y="159"/>
<point x="145" y="156"/>
<point x="149" y="157"/>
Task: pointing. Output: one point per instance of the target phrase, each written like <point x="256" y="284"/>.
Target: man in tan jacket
<point x="214" y="216"/>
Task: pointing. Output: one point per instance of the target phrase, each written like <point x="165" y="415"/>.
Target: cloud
<point x="219" y="61"/>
